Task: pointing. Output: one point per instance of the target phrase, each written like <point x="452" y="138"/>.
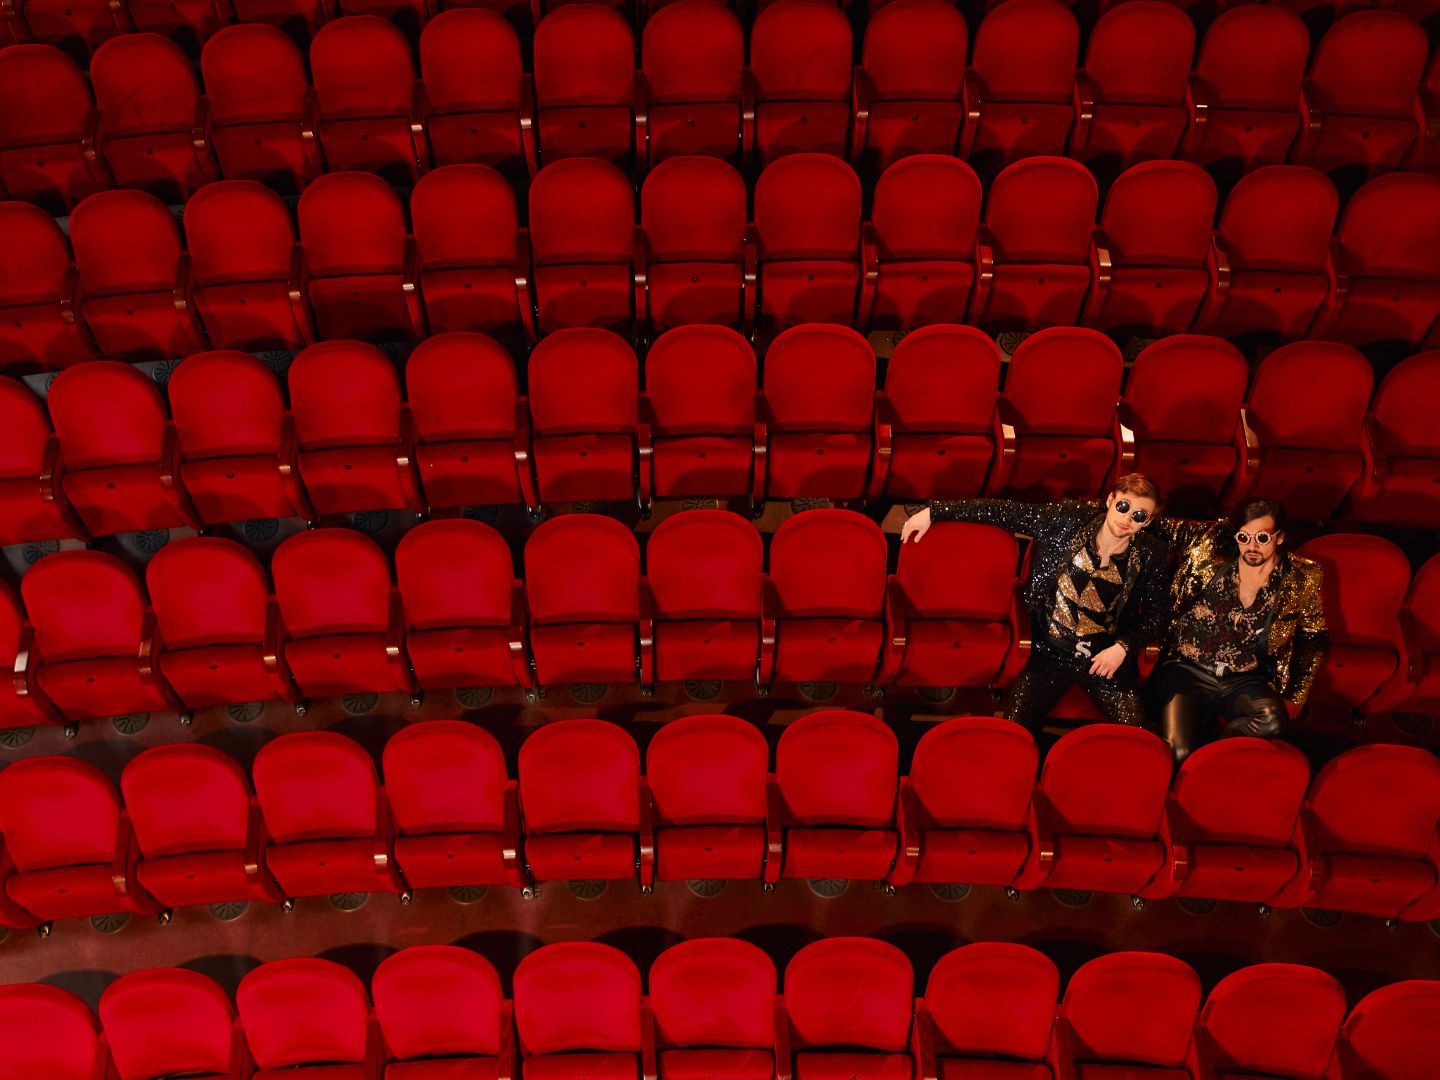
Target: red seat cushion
<point x="1106" y="863"/>
<point x="826" y="650"/>
<point x="709" y="851"/>
<point x="594" y="1066"/>
<point x="24" y="516"/>
<point x="109" y="686"/>
<point x="477" y="656"/>
<point x="366" y="306"/>
<point x="1312" y="481"/>
<point x="818" y="465"/>
<point x="1059" y="466"/>
<point x="469" y="473"/>
<point x="452" y="859"/>
<point x="949" y="652"/>
<point x="598" y="295"/>
<point x="340" y="664"/>
<point x="801" y="127"/>
<point x="236" y="488"/>
<point x="584" y="652"/>
<point x="706" y="649"/>
<point x="702" y="465"/>
<point x="121" y="498"/>
<point x="68" y="892"/>
<point x="580" y="856"/>
<point x="314" y="1072"/>
<point x="252" y="315"/>
<point x="939" y="465"/>
<point x="218" y="674"/>
<point x="353" y="478"/>
<point x="470" y="1068"/>
<point x="1372" y="884"/>
<point x="838" y="852"/>
<point x="206" y="877"/>
<point x="749" y="1064"/>
<point x="316" y="867"/>
<point x="1128" y="1072"/>
<point x="982" y="1069"/>
<point x="586" y="467"/>
<point x="852" y="1066"/>
<point x="1238" y="872"/>
<point x="1353" y="673"/>
<point x="971" y="856"/>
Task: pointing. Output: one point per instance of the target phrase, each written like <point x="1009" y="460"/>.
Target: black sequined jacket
<point x="1057" y="531"/>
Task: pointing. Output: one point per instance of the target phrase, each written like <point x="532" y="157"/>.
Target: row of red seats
<point x="1248" y="104"/>
<point x="1235" y="824"/>
<point x="1155" y="264"/>
<point x="100" y="456"/>
<point x="990" y="1011"/>
<point x="453" y="616"/>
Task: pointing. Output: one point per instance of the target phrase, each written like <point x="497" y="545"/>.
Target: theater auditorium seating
<point x="844" y="1002"/>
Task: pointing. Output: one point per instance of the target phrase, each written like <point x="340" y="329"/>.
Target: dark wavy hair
<point x="1251" y="509"/>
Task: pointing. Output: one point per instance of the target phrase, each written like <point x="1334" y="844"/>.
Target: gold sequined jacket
<point x="1058" y="531"/>
<point x="1293" y="645"/>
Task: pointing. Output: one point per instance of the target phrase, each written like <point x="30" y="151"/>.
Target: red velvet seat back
<point x="303" y="1011"/>
<point x="579" y="775"/>
<point x="1108" y="780"/>
<point x="1133" y="1007"/>
<point x="837" y="767"/>
<point x="582" y="568"/>
<point x="207" y="590"/>
<point x="577" y="995"/>
<point x="166" y="1022"/>
<point x="314" y="785"/>
<point x="438" y="1000"/>
<point x="993" y="997"/>
<point x="58" y="812"/>
<point x="847" y="991"/>
<point x="186" y="798"/>
<point x="445" y="776"/>
<point x="713" y="992"/>
<point x="1281" y="1019"/>
<point x="331" y="581"/>
<point x="84" y="605"/>
<point x="706" y="770"/>
<point x="974" y="772"/>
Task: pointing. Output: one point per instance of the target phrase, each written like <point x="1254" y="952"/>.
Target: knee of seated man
<point x="1262" y="719"/>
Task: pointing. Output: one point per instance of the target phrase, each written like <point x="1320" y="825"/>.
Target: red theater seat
<point x="986" y="1000"/>
<point x="580" y="796"/>
<point x="848" y="1004"/>
<point x="585" y="84"/>
<point x="457" y="821"/>
<point x="299" y="19"/>
<point x="1369" y="833"/>
<point x="1132" y="1014"/>
<point x="1420" y="622"/>
<point x="1020" y="99"/>
<point x="49" y="1032"/>
<point x="820" y="416"/>
<point x="1403" y="446"/>
<point x="264" y="128"/>
<point x="47" y="130"/>
<point x="69" y="840"/>
<point x="1387" y="263"/>
<point x="472" y="430"/>
<point x="582" y="586"/>
<point x="584" y="407"/>
<point x="965" y="807"/>
<point x="479" y="100"/>
<point x="825" y="600"/>
<point x="354" y="435"/>
<point x="220" y="627"/>
<point x="1391" y="1032"/>
<point x="704" y="585"/>
<point x="76" y="26"/>
<point x="833" y="805"/>
<point x="807" y="220"/>
<point x="328" y="829"/>
<point x="1366" y="578"/>
<point x="1130" y="95"/>
<point x="1273" y="247"/>
<point x="199" y="829"/>
<point x="923" y="224"/>
<point x="693" y="69"/>
<point x="700" y="255"/>
<point x="714" y="1008"/>
<point x="1098" y="811"/>
<point x="577" y="1011"/>
<point x="342" y="619"/>
<point x="154" y="123"/>
<point x="360" y="269"/>
<point x="1036" y="244"/>
<point x="910" y="85"/>
<point x="1156" y="230"/>
<point x="700" y="399"/>
<point x="445" y="1002"/>
<point x="1060" y="395"/>
<point x="1271" y="1020"/>
<point x="800" y="58"/>
<point x="95" y="639"/>
<point x="306" y="1012"/>
<point x="32" y="504"/>
<point x="41" y="328"/>
<point x="1307" y="408"/>
<point x="464" y="612"/>
<point x="186" y="22"/>
<point x="705" y="786"/>
<point x="949" y="629"/>
<point x="136" y="279"/>
<point x="582" y="228"/>
<point x="21" y="703"/>
<point x="1234" y="815"/>
<point x="168" y="1022"/>
<point x="474" y="262"/>
<point x="1246" y="89"/>
<point x="368" y="98"/>
<point x="941" y="386"/>
<point x="243" y="262"/>
<point x="237" y="442"/>
<point x="1182" y="403"/>
<point x="1360" y="97"/>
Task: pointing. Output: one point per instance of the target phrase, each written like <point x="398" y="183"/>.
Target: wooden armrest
<point x="970" y="98"/>
<point x="510" y="857"/>
<point x="519" y="656"/>
<point x="298" y="289"/>
<point x="774" y="833"/>
<point x="527" y="116"/>
<point x="255" y="838"/>
<point x="860" y="95"/>
<point x="769" y="606"/>
<point x="309" y="140"/>
<point x="23" y="675"/>
<point x="405" y="466"/>
<point x="148" y="655"/>
<point x="1007" y="450"/>
<point x="748" y="95"/>
<point x="869" y="275"/>
<point x="524" y="473"/>
<point x="419" y="122"/>
<point x="984" y="272"/>
<point x="749" y="289"/>
<point x="525" y="299"/>
<point x="645" y="656"/>
<point x="641" y="95"/>
<point x="647" y="836"/>
<point x="1102" y="267"/>
<point x="640" y="278"/>
<point x="383" y="846"/>
<point x="409" y="286"/>
<point x="127" y="859"/>
<point x="907" y="856"/>
<point x="395" y="656"/>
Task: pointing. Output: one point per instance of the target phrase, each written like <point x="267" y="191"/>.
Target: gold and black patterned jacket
<point x="1058" y="531"/>
<point x="1293" y="645"/>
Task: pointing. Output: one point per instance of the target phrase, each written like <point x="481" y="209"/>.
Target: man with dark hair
<point x="1248" y="633"/>
<point x="1096" y="594"/>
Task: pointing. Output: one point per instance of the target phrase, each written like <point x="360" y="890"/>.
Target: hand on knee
<point x="1263" y="722"/>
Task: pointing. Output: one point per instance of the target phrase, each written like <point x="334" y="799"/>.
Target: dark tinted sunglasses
<point x="1122" y="506"/>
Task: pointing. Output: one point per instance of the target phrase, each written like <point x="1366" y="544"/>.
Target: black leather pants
<point x="1192" y="698"/>
<point x="1049" y="673"/>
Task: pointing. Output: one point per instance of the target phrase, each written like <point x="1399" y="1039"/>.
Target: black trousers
<point x="1193" y="701"/>
<point x="1049" y="673"/>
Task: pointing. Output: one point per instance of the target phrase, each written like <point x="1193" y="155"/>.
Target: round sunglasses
<point x="1262" y="538"/>
<point x="1122" y="506"/>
